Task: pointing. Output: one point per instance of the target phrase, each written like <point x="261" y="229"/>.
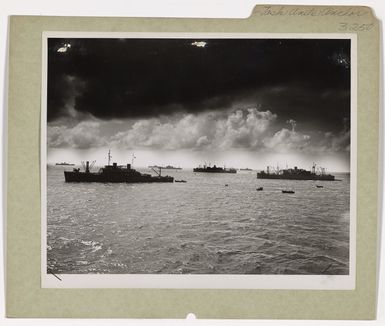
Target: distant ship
<point x="296" y="174"/>
<point x="167" y="167"/>
<point x="246" y="169"/>
<point x="214" y="169"/>
<point x="113" y="173"/>
<point x="65" y="163"/>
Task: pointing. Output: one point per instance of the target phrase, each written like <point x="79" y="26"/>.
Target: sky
<point x="233" y="102"/>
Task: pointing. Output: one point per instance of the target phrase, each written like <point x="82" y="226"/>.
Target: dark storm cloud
<point x="139" y="78"/>
<point x="325" y="109"/>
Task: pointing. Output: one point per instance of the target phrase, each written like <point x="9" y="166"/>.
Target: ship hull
<point x="163" y="167"/>
<point x="296" y="177"/>
<point x="113" y="178"/>
<point x="213" y="170"/>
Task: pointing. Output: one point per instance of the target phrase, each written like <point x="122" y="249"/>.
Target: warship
<point x="296" y="174"/>
<point x="214" y="169"/>
<point x="113" y="173"/>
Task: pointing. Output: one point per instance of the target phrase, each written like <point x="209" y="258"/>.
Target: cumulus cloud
<point x="293" y="124"/>
<point x="85" y="134"/>
<point x="251" y="128"/>
<point x="242" y="128"/>
<point x="339" y="142"/>
<point x="336" y="141"/>
<point x="288" y="140"/>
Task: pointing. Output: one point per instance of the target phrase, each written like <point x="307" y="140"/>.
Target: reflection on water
<point x="200" y="227"/>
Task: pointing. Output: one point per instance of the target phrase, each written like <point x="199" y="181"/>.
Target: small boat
<point x="259" y="188"/>
<point x="319" y="186"/>
<point x="226" y="185"/>
<point x="184" y="181"/>
<point x="288" y="191"/>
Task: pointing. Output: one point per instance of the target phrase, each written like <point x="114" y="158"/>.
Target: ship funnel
<point x="128" y="166"/>
<point x="87" y="167"/>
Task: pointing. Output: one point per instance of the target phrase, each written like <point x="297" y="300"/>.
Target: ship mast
<point x="132" y="160"/>
<point x="109" y="157"/>
<point x="313" y="168"/>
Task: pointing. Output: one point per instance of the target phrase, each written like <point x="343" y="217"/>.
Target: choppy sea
<point x="198" y="227"/>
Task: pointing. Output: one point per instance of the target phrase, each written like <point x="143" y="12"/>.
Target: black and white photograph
<point x="198" y="154"/>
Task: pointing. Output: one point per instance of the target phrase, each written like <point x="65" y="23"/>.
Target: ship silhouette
<point x="214" y="169"/>
<point x="296" y="174"/>
<point x="167" y="167"/>
<point x="65" y="163"/>
<point x="113" y="173"/>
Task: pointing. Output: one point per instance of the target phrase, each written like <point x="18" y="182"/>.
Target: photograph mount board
<point x="26" y="297"/>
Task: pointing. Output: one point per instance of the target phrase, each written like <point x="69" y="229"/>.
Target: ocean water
<point x="198" y="227"/>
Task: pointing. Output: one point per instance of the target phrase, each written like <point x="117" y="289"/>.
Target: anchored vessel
<point x="65" y="163"/>
<point x="113" y="173"/>
<point x="167" y="167"/>
<point x="214" y="169"/>
<point x="296" y="174"/>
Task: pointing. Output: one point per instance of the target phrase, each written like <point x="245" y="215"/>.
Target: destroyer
<point x="113" y="173"/>
<point x="296" y="174"/>
<point x="214" y="169"/>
